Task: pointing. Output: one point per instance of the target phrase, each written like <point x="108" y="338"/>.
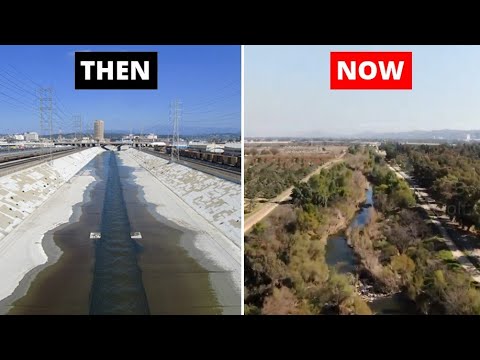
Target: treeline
<point x="390" y="191"/>
<point x="285" y="267"/>
<point x="327" y="186"/>
<point x="451" y="173"/>
<point x="267" y="176"/>
<point x="399" y="252"/>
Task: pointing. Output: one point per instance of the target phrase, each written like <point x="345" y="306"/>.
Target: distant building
<point x="206" y="147"/>
<point x="180" y="145"/>
<point x="233" y="149"/>
<point x="161" y="144"/>
<point x="151" y="137"/>
<point x="18" y="137"/>
<point x="31" y="136"/>
<point x="99" y="130"/>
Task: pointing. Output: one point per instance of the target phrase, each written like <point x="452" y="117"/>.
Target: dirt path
<point x="429" y="207"/>
<point x="265" y="209"/>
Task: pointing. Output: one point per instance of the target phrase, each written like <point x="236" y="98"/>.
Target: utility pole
<point x="46" y="115"/>
<point x="175" y="114"/>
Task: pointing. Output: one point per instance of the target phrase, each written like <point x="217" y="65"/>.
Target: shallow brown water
<point x="155" y="268"/>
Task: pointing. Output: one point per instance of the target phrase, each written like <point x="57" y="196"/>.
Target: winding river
<point x="341" y="256"/>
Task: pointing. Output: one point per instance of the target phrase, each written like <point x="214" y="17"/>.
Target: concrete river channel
<point x="116" y="257"/>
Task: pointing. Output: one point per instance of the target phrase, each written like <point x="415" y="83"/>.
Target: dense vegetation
<point x="285" y="268"/>
<point x="399" y="252"/>
<point x="267" y="175"/>
<point x="451" y="173"/>
<point x="390" y="191"/>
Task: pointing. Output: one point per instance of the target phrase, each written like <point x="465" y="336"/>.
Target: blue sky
<point x="207" y="79"/>
<point x="287" y="92"/>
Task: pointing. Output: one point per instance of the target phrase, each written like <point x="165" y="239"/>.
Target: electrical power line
<point x="175" y="114"/>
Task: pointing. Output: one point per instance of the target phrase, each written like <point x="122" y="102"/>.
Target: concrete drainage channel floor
<point x="120" y="259"/>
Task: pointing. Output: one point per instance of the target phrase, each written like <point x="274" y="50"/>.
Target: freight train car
<point x="17" y="155"/>
<point x="231" y="161"/>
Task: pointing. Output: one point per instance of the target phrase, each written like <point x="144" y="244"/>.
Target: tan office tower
<point x="99" y="130"/>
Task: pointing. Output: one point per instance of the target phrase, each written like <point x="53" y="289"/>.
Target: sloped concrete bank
<point x="210" y="207"/>
<point x="32" y="202"/>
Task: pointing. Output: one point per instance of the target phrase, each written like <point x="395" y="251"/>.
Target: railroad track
<point x="14" y="165"/>
<point x="226" y="168"/>
<point x="224" y="173"/>
<point x="210" y="165"/>
<point x="17" y="155"/>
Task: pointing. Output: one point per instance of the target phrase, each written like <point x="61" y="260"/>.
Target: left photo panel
<point x="120" y="180"/>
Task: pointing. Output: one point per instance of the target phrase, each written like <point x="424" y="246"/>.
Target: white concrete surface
<point x="32" y="202"/>
<point x="208" y="206"/>
<point x="215" y="199"/>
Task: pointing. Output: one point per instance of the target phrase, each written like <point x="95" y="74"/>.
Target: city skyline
<point x="205" y="78"/>
<point x="287" y="93"/>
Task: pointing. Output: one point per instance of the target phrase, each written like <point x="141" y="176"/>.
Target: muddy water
<point x="64" y="286"/>
<point x="117" y="280"/>
<point x="115" y="274"/>
<point x="396" y="304"/>
<point x="341" y="256"/>
<point x="174" y="282"/>
<point x="338" y="253"/>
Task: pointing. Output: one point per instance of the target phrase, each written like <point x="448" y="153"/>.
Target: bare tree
<point x="281" y="302"/>
<point x="400" y="237"/>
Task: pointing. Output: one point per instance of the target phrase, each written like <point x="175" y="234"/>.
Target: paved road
<point x="268" y="207"/>
<point x="431" y="208"/>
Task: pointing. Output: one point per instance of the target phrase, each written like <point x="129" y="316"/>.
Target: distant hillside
<point x="438" y="135"/>
<point x="446" y="134"/>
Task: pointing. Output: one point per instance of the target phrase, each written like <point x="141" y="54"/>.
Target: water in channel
<point x="341" y="256"/>
<point x="116" y="274"/>
<point x="117" y="280"/>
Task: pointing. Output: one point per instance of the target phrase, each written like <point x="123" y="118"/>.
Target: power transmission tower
<point x="74" y="128"/>
<point x="77" y="123"/>
<point x="175" y="114"/>
<point x="89" y="129"/>
<point x="46" y="115"/>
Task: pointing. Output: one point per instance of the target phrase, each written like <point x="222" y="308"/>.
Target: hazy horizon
<point x="287" y="93"/>
<point x="368" y="133"/>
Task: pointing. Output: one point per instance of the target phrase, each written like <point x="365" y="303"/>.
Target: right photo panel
<point x="361" y="180"/>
